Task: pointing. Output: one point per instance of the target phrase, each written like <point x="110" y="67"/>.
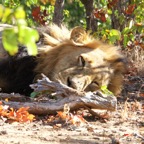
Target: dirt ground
<point x="124" y="126"/>
<point x="97" y="131"/>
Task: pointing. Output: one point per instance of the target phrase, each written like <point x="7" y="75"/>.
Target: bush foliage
<point x="117" y="22"/>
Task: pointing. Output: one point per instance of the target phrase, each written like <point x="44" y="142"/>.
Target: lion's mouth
<point x="77" y="84"/>
<point x="93" y="86"/>
<point x="74" y="83"/>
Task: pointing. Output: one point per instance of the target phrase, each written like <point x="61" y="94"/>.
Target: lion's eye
<point x="81" y="61"/>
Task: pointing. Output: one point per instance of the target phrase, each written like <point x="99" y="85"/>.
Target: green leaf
<point x="21" y="22"/>
<point x="131" y="36"/>
<point x="114" y="35"/>
<point x="109" y="11"/>
<point x="6" y="14"/>
<point x="34" y="94"/>
<point x="126" y="30"/>
<point x="103" y="87"/>
<point x="1" y="11"/>
<point x="28" y="37"/>
<point x="19" y="13"/>
<point x="9" y="40"/>
<point x="126" y="39"/>
<point x="105" y="90"/>
<point x="31" y="48"/>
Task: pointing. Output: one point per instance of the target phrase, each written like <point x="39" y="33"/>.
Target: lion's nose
<point x="75" y="83"/>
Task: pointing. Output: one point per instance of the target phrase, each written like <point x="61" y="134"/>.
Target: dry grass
<point x="129" y="109"/>
<point x="136" y="58"/>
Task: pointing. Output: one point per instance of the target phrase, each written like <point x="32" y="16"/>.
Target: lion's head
<point x="78" y="60"/>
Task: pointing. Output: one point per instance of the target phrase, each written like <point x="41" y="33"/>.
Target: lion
<point x="72" y="57"/>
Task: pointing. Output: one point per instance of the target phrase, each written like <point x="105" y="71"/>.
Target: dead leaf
<point x="21" y="115"/>
<point x="130" y="9"/>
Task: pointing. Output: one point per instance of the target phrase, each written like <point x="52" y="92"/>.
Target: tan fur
<point x="77" y="59"/>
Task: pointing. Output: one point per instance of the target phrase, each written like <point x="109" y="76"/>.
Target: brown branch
<point x="65" y="95"/>
<point x="91" y="101"/>
<point x="14" y="97"/>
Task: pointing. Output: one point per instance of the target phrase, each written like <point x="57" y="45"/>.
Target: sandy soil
<point x="128" y="128"/>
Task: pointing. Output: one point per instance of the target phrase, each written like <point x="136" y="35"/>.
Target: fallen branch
<point x="65" y="95"/>
<point x="14" y="97"/>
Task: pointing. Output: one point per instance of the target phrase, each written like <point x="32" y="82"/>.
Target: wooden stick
<point x="65" y="95"/>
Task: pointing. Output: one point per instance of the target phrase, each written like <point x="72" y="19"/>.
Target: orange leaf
<point x="35" y="11"/>
<point x="1" y="108"/>
<point x="22" y="109"/>
<point x="100" y="14"/>
<point x="138" y="24"/>
<point x="62" y="115"/>
<point x="111" y="3"/>
<point x="130" y="9"/>
<point x="141" y="94"/>
<point x="6" y="99"/>
<point x="44" y="1"/>
<point x="21" y="115"/>
<point x="39" y="15"/>
<point x="127" y="135"/>
<point x="77" y="119"/>
<point x="31" y="117"/>
<point x="11" y="114"/>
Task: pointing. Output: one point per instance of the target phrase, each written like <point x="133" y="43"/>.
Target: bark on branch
<point x="64" y="95"/>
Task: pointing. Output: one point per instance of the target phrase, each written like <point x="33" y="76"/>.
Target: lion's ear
<point x="77" y="34"/>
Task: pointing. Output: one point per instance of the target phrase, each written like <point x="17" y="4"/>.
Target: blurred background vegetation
<point x="112" y="21"/>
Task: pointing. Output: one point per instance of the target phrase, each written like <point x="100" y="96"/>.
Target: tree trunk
<point x="91" y="22"/>
<point x="58" y="12"/>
